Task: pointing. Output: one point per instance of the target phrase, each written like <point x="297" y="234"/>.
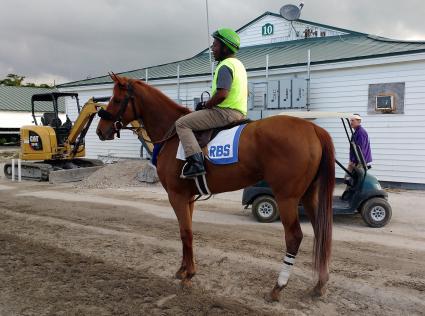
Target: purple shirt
<point x="361" y="138"/>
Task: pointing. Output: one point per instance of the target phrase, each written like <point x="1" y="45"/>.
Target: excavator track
<point x="57" y="171"/>
<point x="36" y="171"/>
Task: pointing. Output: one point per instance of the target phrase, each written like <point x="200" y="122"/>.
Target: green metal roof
<point x="281" y="55"/>
<point x="19" y="99"/>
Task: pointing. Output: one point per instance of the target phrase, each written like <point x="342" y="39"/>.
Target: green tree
<point x="16" y="81"/>
<point x="12" y="80"/>
<point x="44" y="85"/>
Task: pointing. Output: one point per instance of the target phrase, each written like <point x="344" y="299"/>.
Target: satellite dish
<point x="291" y="12"/>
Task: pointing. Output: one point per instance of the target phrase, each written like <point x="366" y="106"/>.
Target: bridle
<point x="117" y="119"/>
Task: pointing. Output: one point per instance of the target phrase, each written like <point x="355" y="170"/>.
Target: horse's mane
<point x="161" y="97"/>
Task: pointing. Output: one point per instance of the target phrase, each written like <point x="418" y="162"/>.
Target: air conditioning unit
<point x="384" y="103"/>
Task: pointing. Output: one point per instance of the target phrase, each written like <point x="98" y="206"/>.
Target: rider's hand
<point x="200" y="106"/>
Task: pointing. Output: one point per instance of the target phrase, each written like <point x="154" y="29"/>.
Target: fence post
<point x="13" y="169"/>
<point x="19" y="170"/>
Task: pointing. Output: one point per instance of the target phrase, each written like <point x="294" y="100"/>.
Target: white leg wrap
<point x="288" y="264"/>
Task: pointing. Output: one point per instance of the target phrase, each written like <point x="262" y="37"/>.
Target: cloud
<point x="71" y="40"/>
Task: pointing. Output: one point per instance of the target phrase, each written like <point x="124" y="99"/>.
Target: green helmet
<point x="228" y="37"/>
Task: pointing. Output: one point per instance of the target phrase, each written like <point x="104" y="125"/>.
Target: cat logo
<point x="34" y="139"/>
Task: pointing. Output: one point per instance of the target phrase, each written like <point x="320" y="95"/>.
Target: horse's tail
<point x="324" y="216"/>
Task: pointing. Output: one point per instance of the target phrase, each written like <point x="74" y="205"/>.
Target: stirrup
<point x="183" y="176"/>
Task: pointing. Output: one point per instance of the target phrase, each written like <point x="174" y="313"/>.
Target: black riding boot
<point x="194" y="166"/>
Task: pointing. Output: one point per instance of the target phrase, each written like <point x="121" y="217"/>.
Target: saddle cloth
<point x="223" y="149"/>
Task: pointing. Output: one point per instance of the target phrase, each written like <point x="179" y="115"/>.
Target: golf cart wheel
<point x="376" y="212"/>
<point x="264" y="209"/>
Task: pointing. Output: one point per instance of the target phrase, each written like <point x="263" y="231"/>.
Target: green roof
<point x="287" y="54"/>
<point x="19" y="99"/>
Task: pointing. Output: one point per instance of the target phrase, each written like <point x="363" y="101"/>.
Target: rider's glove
<point x="200" y="106"/>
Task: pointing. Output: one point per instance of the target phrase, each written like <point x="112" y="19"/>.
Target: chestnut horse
<point x="295" y="156"/>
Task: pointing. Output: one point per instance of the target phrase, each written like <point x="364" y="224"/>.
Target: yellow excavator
<point x="53" y="147"/>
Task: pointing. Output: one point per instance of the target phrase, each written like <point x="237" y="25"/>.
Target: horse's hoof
<point x="186" y="284"/>
<point x="181" y="274"/>
<point x="318" y="291"/>
<point x="275" y="294"/>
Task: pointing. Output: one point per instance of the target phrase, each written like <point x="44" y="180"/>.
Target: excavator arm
<point x="84" y="119"/>
<point x="143" y="136"/>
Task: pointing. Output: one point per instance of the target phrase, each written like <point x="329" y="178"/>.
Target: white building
<point x="379" y="78"/>
<point x="15" y="108"/>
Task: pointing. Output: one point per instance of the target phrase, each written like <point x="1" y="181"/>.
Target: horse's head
<point x="119" y="111"/>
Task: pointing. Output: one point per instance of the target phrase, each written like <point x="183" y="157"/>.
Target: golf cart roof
<point x="317" y="114"/>
<point x="51" y="96"/>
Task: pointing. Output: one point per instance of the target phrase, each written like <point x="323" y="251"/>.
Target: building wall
<point x="15" y="119"/>
<point x="397" y="142"/>
<point x="283" y="31"/>
<point x="398" y="145"/>
<point x="9" y="119"/>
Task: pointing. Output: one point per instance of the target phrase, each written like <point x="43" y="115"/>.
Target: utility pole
<point x="209" y="40"/>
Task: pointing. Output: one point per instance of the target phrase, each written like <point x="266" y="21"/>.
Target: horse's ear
<point x="116" y="78"/>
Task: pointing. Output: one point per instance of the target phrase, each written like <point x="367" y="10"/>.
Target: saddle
<point x="205" y="136"/>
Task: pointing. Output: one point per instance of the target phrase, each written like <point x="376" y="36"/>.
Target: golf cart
<point x="363" y="195"/>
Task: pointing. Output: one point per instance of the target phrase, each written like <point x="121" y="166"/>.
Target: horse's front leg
<point x="183" y="209"/>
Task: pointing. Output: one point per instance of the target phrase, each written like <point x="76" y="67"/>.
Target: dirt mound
<point x="122" y="173"/>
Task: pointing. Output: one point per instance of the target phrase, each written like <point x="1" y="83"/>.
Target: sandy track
<point x="61" y="253"/>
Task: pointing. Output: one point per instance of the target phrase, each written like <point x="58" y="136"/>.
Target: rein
<point x="168" y="135"/>
<point x="119" y="125"/>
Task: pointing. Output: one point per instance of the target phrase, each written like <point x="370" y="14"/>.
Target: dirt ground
<point x="70" y="250"/>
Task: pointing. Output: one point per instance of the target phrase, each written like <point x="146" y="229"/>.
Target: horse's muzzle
<point x="99" y="134"/>
<point x="103" y="137"/>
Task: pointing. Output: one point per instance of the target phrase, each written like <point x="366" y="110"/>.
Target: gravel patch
<point x="123" y="173"/>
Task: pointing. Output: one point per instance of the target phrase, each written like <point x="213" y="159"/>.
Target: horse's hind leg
<point x="184" y="209"/>
<point x="310" y="202"/>
<point x="288" y="208"/>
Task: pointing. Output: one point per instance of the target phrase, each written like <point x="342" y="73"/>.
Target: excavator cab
<point x="52" y="103"/>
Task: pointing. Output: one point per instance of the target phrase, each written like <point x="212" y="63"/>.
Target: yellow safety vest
<point x="238" y="93"/>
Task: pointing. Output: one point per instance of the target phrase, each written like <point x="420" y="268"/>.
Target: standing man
<point x="227" y="104"/>
<point x="360" y="138"/>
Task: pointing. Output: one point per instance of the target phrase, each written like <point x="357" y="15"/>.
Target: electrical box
<point x="285" y="93"/>
<point x="273" y="94"/>
<point x="299" y="93"/>
<point x="260" y="94"/>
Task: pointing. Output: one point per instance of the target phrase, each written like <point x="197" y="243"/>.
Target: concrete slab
<point x="71" y="175"/>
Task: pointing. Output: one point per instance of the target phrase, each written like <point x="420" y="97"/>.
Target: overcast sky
<point x="67" y="40"/>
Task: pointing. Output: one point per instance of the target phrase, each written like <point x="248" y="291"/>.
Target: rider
<point x="227" y="104"/>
